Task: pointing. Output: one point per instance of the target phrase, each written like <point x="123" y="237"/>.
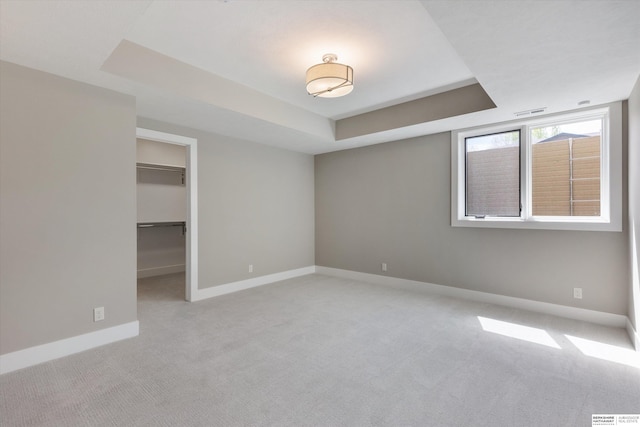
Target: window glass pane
<point x="565" y="169"/>
<point x="493" y="174"/>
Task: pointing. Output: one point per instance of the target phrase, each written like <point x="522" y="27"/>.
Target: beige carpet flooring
<point x="321" y="351"/>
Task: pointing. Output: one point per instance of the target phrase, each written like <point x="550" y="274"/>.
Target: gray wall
<point x="634" y="204"/>
<point x="68" y="210"/>
<point x="391" y="203"/>
<point x="255" y="206"/>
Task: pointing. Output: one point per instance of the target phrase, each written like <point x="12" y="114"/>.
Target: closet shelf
<point x="158" y="167"/>
<point x="165" y="168"/>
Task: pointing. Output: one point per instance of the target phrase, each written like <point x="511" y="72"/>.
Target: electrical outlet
<point x="384" y="266"/>
<point x="98" y="314"/>
<point x="250" y="268"/>
<point x="577" y="293"/>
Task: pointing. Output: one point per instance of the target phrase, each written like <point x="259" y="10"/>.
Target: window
<point x="565" y="168"/>
<point x="493" y="174"/>
<point x="553" y="172"/>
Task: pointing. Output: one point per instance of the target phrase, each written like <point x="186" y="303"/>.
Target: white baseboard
<point x="592" y="316"/>
<point x="43" y="353"/>
<point x="228" y="288"/>
<point x="633" y="335"/>
<point x="160" y="271"/>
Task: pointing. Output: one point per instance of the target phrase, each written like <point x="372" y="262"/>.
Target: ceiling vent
<point x="530" y="112"/>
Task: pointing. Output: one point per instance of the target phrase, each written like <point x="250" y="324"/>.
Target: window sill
<point x="539" y="224"/>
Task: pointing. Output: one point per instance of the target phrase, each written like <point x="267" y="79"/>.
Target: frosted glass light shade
<point x="329" y="80"/>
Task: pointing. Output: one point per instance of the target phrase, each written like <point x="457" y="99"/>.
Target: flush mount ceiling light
<point x="330" y="79"/>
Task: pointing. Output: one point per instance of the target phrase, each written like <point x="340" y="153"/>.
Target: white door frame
<point x="191" y="145"/>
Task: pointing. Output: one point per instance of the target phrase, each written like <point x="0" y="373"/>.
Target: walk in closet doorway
<point x="167" y="209"/>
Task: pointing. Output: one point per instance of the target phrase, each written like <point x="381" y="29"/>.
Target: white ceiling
<point x="237" y="67"/>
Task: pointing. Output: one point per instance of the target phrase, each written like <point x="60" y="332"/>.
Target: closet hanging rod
<point x="161" y="224"/>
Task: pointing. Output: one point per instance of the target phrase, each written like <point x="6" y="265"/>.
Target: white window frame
<point x="610" y="218"/>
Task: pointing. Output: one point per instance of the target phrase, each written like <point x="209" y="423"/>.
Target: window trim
<point x="610" y="218"/>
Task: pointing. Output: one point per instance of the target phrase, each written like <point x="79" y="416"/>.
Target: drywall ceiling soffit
<point x="452" y="103"/>
<point x="146" y="66"/>
<point x="166" y="107"/>
<point x="530" y="54"/>
<point x="143" y="65"/>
